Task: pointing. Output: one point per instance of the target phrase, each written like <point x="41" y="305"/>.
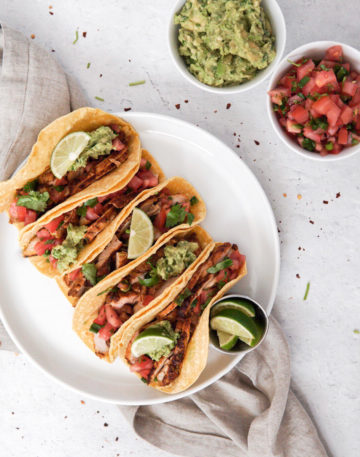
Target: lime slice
<point x="226" y="341"/>
<point x="141" y="234"/>
<point x="67" y="151"/>
<point x="235" y="322"/>
<point x="234" y="303"/>
<point x="150" y="340"/>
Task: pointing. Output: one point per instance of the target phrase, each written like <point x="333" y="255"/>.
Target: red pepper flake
<point x="84" y="34"/>
<point x="311" y="222"/>
<point x="238" y="145"/>
<point x="117" y="438"/>
<point x="297" y="275"/>
<point x="177" y="106"/>
<point x="186" y="101"/>
<point x="338" y="195"/>
<point x="257" y="142"/>
<point x="215" y="111"/>
<point x="299" y="248"/>
<point x="53" y="50"/>
<point x="32" y="36"/>
<point x="106" y="425"/>
<point x="284" y="195"/>
<point x="50" y="7"/>
<point x="82" y="402"/>
<point x="127" y="109"/>
<point x="52" y="14"/>
<point x="228" y="106"/>
<point x="100" y="76"/>
<point x="325" y="202"/>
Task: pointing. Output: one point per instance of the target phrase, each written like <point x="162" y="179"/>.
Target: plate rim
<point x="236" y="358"/>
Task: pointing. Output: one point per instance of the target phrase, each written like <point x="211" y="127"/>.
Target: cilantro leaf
<point x="31" y="185"/>
<point x="183" y="296"/>
<point x="193" y="200"/>
<point x="303" y="81"/>
<point x="36" y="201"/>
<point x="175" y="216"/>
<point x="308" y="144"/>
<point x="226" y="263"/>
<point x="190" y="218"/>
<point x="89" y="270"/>
<point x="95" y="327"/>
<point x="148" y="165"/>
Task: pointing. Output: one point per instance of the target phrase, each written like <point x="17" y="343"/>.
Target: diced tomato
<point x="44" y="234"/>
<point x="278" y="94"/>
<point x="41" y="246"/>
<point x="91" y="214"/>
<point x="324" y="77"/>
<point x="30" y="216"/>
<point x="346" y="115"/>
<point x="327" y="63"/>
<point x="356" y="98"/>
<point x="300" y="114"/>
<point x="349" y="87"/>
<point x="135" y="183"/>
<point x="99" y="209"/>
<point x="74" y="274"/>
<point x="54" y="224"/>
<point x="60" y="182"/>
<point x="115" y="127"/>
<point x="333" y="115"/>
<point x="332" y="130"/>
<point x="117" y="144"/>
<point x="309" y="87"/>
<point x="337" y="148"/>
<point x="343" y="136"/>
<point x="147" y="299"/>
<point x="143" y="162"/>
<point x="337" y="100"/>
<point x="112" y="316"/>
<point x="103" y="198"/>
<point x="53" y="261"/>
<point x="143" y="363"/>
<point x="160" y="220"/>
<point x="145" y="373"/>
<point x="335" y="53"/>
<point x="106" y="332"/>
<point x="314" y="135"/>
<point x="149" y="179"/>
<point x="305" y="69"/>
<point x="326" y="106"/>
<point x="17" y="213"/>
<point x="287" y="81"/>
<point x="292" y="126"/>
<point x="101" y="318"/>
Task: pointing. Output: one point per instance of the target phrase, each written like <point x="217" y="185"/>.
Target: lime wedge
<point x="67" y="151"/>
<point x="235" y="322"/>
<point x="226" y="341"/>
<point x="234" y="303"/>
<point x="150" y="340"/>
<point x="141" y="234"/>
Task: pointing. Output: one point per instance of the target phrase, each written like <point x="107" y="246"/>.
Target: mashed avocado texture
<point x="225" y="42"/>
<point x="176" y="259"/>
<point x="67" y="252"/>
<point x="165" y="350"/>
<point x="100" y="143"/>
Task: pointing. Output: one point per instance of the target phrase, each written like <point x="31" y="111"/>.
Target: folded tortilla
<point x="87" y="307"/>
<point x="102" y="238"/>
<point x="83" y="119"/>
<point x="174" y="185"/>
<point x="197" y="351"/>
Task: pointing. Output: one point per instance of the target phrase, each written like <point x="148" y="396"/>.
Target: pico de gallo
<point x="180" y="318"/>
<point x="107" y="149"/>
<point x="165" y="210"/>
<point x="61" y="240"/>
<point x="317" y="102"/>
<point x="144" y="283"/>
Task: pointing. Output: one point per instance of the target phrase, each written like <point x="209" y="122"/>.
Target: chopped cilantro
<point x="329" y="146"/>
<point x="193" y="200"/>
<point x="193" y="303"/>
<point x="324" y="67"/>
<point x="308" y="144"/>
<point x="88" y="65"/>
<point x="190" y="218"/>
<point x="183" y="296"/>
<point x="144" y="380"/>
<point x="204" y="305"/>
<point x="226" y="263"/>
<point x="36" y="201"/>
<point x="303" y="81"/>
<point x="148" y="165"/>
<point x="31" y="185"/>
<point x="95" y="327"/>
<point x="175" y="216"/>
<point x="59" y="188"/>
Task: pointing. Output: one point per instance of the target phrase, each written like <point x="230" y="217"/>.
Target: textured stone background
<point x="126" y="41"/>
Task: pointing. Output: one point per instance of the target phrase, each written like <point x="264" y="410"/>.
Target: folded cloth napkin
<point x="34" y="91"/>
<point x="250" y="412"/>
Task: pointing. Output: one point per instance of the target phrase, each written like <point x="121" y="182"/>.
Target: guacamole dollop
<point x="166" y="349"/>
<point x="225" y="42"/>
<point x="176" y="259"/>
<point x="100" y="143"/>
<point x="67" y="252"/>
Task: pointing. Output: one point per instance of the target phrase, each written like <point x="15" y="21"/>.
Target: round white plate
<point x="38" y="317"/>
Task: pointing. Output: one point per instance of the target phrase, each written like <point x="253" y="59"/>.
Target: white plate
<point x="38" y="317"/>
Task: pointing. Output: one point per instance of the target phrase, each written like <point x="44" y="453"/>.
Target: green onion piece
<point x="226" y="263"/>
<point x="294" y="63"/>
<point x="137" y="83"/>
<point x="307" y="291"/>
<point x="100" y="99"/>
<point x="76" y="37"/>
<point x="95" y="327"/>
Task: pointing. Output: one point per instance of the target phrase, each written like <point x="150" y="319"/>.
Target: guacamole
<point x="67" y="252"/>
<point x="100" y="143"/>
<point x="176" y="259"/>
<point x="165" y="350"/>
<point x="225" y="42"/>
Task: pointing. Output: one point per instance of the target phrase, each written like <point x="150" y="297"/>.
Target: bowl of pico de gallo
<point x="313" y="100"/>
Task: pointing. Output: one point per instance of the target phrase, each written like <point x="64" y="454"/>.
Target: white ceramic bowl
<point x="276" y="17"/>
<point x="315" y="50"/>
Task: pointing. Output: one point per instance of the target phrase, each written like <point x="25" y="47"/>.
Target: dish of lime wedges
<point x="235" y="320"/>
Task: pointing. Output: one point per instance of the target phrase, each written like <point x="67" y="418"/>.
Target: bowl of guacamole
<point x="226" y="46"/>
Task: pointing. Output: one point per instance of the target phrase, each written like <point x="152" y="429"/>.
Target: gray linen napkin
<point x="34" y="91"/>
<point x="250" y="412"/>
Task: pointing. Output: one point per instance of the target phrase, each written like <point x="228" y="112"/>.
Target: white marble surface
<point x="126" y="41"/>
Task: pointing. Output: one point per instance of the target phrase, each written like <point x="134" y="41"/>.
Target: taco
<point x="172" y="205"/>
<point x="182" y="322"/>
<point x="112" y="154"/>
<point x="139" y="287"/>
<point x="68" y="236"/>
